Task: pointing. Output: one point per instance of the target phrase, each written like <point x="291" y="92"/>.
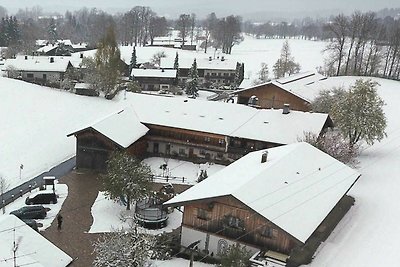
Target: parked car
<point x="32" y="223"/>
<point x="30" y="212"/>
<point x="41" y="197"/>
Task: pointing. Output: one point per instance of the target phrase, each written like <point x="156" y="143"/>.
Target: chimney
<point x="264" y="156"/>
<point x="286" y="109"/>
<point x="222" y="58"/>
<point x="162" y="70"/>
<point x="81" y="55"/>
<point x="210" y="58"/>
<point x="26" y="57"/>
<point x="51" y="59"/>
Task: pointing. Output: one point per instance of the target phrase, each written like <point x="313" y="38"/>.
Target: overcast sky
<point x="172" y="8"/>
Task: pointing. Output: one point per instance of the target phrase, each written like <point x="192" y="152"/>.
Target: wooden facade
<point x="194" y="145"/>
<point x="229" y="218"/>
<point x="93" y="149"/>
<point x="272" y="96"/>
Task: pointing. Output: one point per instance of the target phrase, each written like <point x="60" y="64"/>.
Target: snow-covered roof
<point x="153" y="73"/>
<point x="38" y="63"/>
<point x="47" y="48"/>
<point x="226" y="118"/>
<point x="202" y="63"/>
<point x="122" y="127"/>
<point x="295" y="188"/>
<point x="33" y="248"/>
<point x="303" y="85"/>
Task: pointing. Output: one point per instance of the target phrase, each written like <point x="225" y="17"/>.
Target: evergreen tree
<point x="52" y="30"/>
<point x="133" y="62"/>
<point x="285" y="65"/>
<point x="237" y="80"/>
<point x="176" y="67"/>
<point x="192" y="85"/>
<point x="126" y="177"/>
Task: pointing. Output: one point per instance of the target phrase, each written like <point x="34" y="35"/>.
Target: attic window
<point x="202" y="214"/>
<point x="233" y="222"/>
<point x="269" y="232"/>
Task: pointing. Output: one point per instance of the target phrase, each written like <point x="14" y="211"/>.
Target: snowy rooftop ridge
<point x="122" y="127"/>
<point x="303" y="85"/>
<point x="226" y="118"/>
<point x="33" y="249"/>
<point x="202" y="63"/>
<point x="153" y="73"/>
<point x="38" y="63"/>
<point x="297" y="181"/>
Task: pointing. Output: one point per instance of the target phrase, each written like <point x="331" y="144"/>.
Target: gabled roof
<point x="226" y="118"/>
<point x="202" y="63"/>
<point x="300" y="85"/>
<point x="122" y="127"/>
<point x="295" y="188"/>
<point x="153" y="73"/>
<point x="38" y="63"/>
<point x="33" y="248"/>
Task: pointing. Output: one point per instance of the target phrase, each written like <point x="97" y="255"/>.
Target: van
<point x="41" y="197"/>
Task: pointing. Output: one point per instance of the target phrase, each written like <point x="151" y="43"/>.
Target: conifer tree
<point x="176" y="67"/>
<point x="192" y="85"/>
<point x="133" y="63"/>
<point x="285" y="65"/>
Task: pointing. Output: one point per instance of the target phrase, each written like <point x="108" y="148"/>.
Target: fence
<point x="57" y="171"/>
<point x="170" y="179"/>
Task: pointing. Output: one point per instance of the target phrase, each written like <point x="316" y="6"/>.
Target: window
<point x="182" y="151"/>
<point x="269" y="232"/>
<point x="202" y="152"/>
<point x="221" y="141"/>
<point x="202" y="214"/>
<point x="234" y="222"/>
<point x="29" y="75"/>
<point x="207" y="139"/>
<point x="44" y="76"/>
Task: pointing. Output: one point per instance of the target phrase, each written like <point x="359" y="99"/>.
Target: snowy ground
<point x="107" y="217"/>
<point x="54" y="209"/>
<point x="176" y="262"/>
<point x="183" y="172"/>
<point x="35" y="121"/>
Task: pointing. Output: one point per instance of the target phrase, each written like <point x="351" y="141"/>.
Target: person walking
<point x="59" y="222"/>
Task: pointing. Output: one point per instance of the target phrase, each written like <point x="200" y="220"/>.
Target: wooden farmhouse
<point x="191" y="129"/>
<point x="297" y="90"/>
<point x="38" y="69"/>
<point x="154" y="79"/>
<point x="283" y="200"/>
<point x="211" y="71"/>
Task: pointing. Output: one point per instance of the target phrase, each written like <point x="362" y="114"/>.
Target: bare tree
<point x="183" y="26"/>
<point x="336" y="46"/>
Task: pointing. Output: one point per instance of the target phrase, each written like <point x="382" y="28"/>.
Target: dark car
<point x="31" y="223"/>
<point x="41" y="198"/>
<point x="30" y="212"/>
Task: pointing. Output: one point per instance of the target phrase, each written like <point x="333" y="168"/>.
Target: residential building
<point x="219" y="71"/>
<point x="154" y="79"/>
<point x="38" y="69"/>
<point x="298" y="90"/>
<point x="198" y="130"/>
<point x="285" y="200"/>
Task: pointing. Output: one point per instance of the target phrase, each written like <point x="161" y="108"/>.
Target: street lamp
<point x="21" y="167"/>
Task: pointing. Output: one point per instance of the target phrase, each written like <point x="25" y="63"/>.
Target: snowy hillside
<point x="368" y="234"/>
<point x="34" y="123"/>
